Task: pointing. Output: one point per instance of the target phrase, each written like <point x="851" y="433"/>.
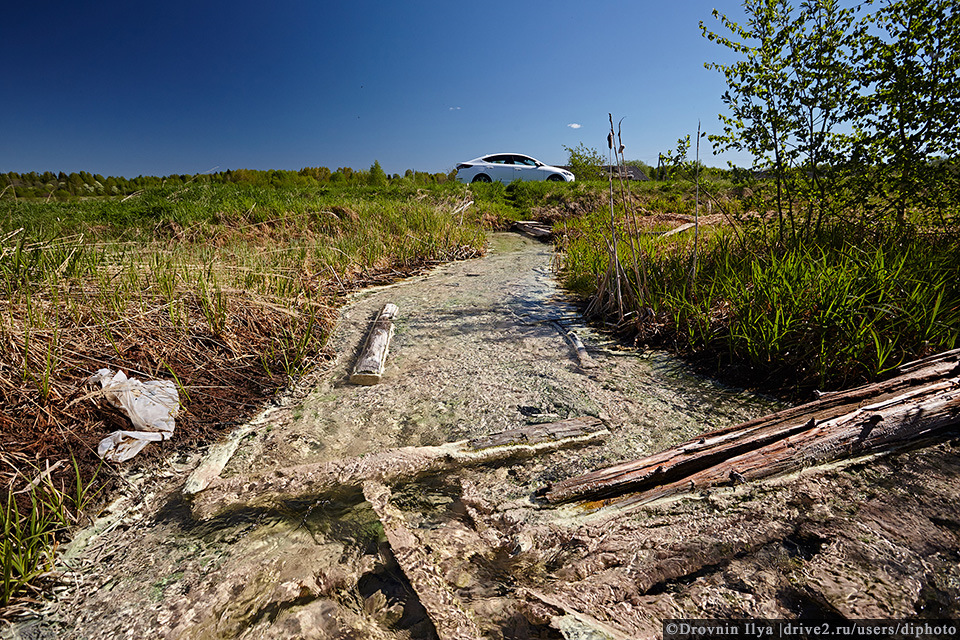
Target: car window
<point x="530" y="162"/>
<point x="496" y="159"/>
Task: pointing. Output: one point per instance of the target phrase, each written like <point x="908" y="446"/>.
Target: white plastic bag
<point x="151" y="407"/>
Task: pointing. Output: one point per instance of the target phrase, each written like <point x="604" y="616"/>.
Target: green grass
<point x="199" y="246"/>
<point x="27" y="547"/>
<point x="845" y="307"/>
<point x="33" y="521"/>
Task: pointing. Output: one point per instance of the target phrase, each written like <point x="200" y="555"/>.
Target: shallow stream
<point x="480" y="346"/>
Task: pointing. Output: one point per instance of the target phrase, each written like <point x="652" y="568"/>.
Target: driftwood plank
<point x="312" y="481"/>
<point x="370" y="364"/>
<point x="586" y="362"/>
<point x="680" y="229"/>
<point x="921" y="401"/>
<point x="536" y="434"/>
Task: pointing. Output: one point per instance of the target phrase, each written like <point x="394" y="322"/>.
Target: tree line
<point x="848" y="109"/>
<point x="84" y="184"/>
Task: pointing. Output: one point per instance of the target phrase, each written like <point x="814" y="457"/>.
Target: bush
<point x="586" y="163"/>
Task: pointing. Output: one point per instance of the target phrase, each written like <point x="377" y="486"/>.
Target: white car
<point x="507" y="167"/>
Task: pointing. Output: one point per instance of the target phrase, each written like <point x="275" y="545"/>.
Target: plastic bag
<point x="151" y="407"/>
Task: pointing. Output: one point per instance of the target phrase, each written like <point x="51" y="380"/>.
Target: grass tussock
<point x="228" y="291"/>
<point x="33" y="520"/>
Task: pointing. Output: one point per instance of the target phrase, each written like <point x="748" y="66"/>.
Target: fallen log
<point x="923" y="400"/>
<point x="586" y="362"/>
<point x="370" y="364"/>
<point x="444" y="608"/>
<point x="533" y="229"/>
<point x="313" y="481"/>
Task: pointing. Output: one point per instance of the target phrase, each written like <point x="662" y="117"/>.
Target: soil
<point x="480" y="347"/>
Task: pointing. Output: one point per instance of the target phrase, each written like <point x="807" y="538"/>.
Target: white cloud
<point x="454" y="108"/>
<point x="574" y="125"/>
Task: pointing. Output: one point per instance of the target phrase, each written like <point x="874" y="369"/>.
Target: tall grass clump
<point x="26" y="549"/>
<point x="34" y="519"/>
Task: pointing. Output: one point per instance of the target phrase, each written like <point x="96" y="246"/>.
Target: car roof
<point x="502" y="153"/>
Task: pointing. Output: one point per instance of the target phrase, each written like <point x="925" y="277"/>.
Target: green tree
<point x="789" y="96"/>
<point x="320" y="174"/>
<point x="674" y="163"/>
<point x="342" y="174"/>
<point x="757" y="89"/>
<point x="75" y="184"/>
<point x="825" y="101"/>
<point x="908" y="122"/>
<point x="377" y="178"/>
<point x="825" y="86"/>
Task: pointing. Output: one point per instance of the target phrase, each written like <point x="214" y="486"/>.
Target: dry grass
<point x="230" y="304"/>
<point x="226" y="361"/>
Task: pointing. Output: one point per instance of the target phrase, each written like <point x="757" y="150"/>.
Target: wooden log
<point x="313" y="481"/>
<point x="538" y="434"/>
<point x="419" y="564"/>
<point x="370" y="364"/>
<point x="586" y="361"/>
<point x="533" y="229"/>
<point x="921" y="401"/>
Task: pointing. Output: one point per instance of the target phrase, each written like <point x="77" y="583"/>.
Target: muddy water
<point x="479" y="347"/>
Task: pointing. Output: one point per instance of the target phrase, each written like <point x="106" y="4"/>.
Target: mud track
<point x="482" y="347"/>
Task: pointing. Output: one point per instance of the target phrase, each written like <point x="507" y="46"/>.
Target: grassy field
<point x="229" y="291"/>
<point x="845" y="305"/>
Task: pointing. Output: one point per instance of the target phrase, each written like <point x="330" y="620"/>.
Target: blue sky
<point x="189" y="87"/>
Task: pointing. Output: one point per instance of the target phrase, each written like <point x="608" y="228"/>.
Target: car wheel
<point x="481" y="177"/>
<point x="554" y="178"/>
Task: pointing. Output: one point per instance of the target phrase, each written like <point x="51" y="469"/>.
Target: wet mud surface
<point x="480" y="347"/>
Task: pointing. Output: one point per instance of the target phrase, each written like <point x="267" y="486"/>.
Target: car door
<point x="499" y="168"/>
<point x="525" y="168"/>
